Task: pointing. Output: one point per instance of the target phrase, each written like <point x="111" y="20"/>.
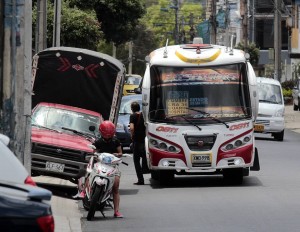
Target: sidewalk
<point x="65" y="211"/>
<point x="292" y="119"/>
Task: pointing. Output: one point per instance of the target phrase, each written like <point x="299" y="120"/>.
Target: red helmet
<point x="107" y="129"/>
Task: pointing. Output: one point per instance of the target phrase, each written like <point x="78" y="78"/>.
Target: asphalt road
<point x="268" y="200"/>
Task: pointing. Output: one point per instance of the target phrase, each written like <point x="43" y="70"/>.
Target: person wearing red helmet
<point x="109" y="143"/>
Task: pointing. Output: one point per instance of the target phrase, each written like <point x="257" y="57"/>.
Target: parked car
<point x="296" y="95"/>
<point x="123" y="130"/>
<point x="11" y="169"/>
<point x="270" y="117"/>
<point x="59" y="136"/>
<point x="132" y="81"/>
<point x="23" y="206"/>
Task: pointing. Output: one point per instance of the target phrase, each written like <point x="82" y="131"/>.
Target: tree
<point x="118" y="18"/>
<point x="143" y="43"/>
<point x="160" y="18"/>
<point x="252" y="50"/>
<point x="78" y="28"/>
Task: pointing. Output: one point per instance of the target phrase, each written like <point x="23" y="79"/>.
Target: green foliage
<point x="288" y="85"/>
<point x="118" y="18"/>
<point x="252" y="50"/>
<point x="160" y="19"/>
<point x="78" y="28"/>
<point x="287" y="92"/>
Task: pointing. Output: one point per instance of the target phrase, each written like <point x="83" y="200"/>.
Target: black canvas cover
<point x="77" y="77"/>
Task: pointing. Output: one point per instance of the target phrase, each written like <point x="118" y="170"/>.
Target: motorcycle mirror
<point x="92" y="128"/>
<point x="92" y="146"/>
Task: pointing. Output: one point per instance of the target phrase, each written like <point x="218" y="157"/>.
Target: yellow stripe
<point x="198" y="60"/>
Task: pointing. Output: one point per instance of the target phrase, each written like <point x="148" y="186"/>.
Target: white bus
<point x="200" y="104"/>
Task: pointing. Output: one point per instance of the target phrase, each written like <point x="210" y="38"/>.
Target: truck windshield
<point x="211" y="94"/>
<point x="56" y="119"/>
<point x="269" y="93"/>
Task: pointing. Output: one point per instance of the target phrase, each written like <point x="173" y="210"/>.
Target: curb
<point x="66" y="213"/>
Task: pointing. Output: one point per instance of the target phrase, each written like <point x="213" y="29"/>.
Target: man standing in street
<point x="138" y="133"/>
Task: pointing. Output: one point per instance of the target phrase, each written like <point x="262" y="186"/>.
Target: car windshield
<point x="214" y="94"/>
<point x="125" y="107"/>
<point x="132" y="80"/>
<point x="55" y="119"/>
<point x="269" y="93"/>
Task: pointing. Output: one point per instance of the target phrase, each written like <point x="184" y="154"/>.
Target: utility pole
<point x="16" y="101"/>
<point x="277" y="40"/>
<point x="212" y="19"/>
<point x="130" y="44"/>
<point x="57" y="21"/>
<point x="41" y="28"/>
<point x="175" y="7"/>
<point x="244" y="16"/>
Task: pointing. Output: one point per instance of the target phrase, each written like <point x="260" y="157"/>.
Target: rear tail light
<point x="30" y="181"/>
<point x="46" y="223"/>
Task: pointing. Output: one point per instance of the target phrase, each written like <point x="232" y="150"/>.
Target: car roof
<point x="11" y="169"/>
<point x="132" y="96"/>
<point x="267" y="80"/>
<point x="66" y="107"/>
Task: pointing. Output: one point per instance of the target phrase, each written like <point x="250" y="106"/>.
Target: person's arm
<point x="119" y="152"/>
<point x="131" y="130"/>
<point x="131" y="126"/>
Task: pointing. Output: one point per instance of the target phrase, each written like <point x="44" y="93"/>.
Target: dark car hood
<point x="123" y="118"/>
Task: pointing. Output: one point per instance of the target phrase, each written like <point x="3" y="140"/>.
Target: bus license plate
<point x="259" y="127"/>
<point x="55" y="167"/>
<point x="201" y="158"/>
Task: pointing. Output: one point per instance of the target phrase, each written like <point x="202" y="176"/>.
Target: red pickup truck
<point x="73" y="89"/>
<point x="60" y="136"/>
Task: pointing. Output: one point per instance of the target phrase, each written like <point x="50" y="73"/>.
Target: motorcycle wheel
<point x="86" y="203"/>
<point x="94" y="202"/>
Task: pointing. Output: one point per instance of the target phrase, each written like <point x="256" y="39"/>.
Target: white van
<point x="270" y="117"/>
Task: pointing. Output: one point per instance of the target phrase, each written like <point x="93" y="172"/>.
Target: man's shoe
<point x="139" y="183"/>
<point x="118" y="215"/>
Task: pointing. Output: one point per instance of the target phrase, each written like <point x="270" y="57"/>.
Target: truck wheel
<point x="233" y="176"/>
<point x="279" y="136"/>
<point x="94" y="202"/>
<point x="166" y="177"/>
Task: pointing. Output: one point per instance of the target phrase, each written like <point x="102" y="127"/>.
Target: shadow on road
<point x="60" y="190"/>
<point x="204" y="182"/>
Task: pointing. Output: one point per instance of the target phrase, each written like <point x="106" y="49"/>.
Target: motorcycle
<point x="98" y="182"/>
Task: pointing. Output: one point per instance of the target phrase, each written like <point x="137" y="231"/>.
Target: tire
<point x="94" y="202"/>
<point x="279" y="136"/>
<point x="233" y="176"/>
<point x="166" y="177"/>
<point x="86" y="203"/>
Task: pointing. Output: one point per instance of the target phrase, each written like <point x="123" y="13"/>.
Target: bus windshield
<point x="198" y="95"/>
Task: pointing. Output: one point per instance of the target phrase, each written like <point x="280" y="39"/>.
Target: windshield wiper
<point x="268" y="101"/>
<point x="85" y="135"/>
<point x="183" y="116"/>
<point x="47" y="128"/>
<point x="207" y="115"/>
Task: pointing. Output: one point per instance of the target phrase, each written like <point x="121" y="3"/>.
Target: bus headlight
<point x="237" y="143"/>
<point x="163" y="146"/>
